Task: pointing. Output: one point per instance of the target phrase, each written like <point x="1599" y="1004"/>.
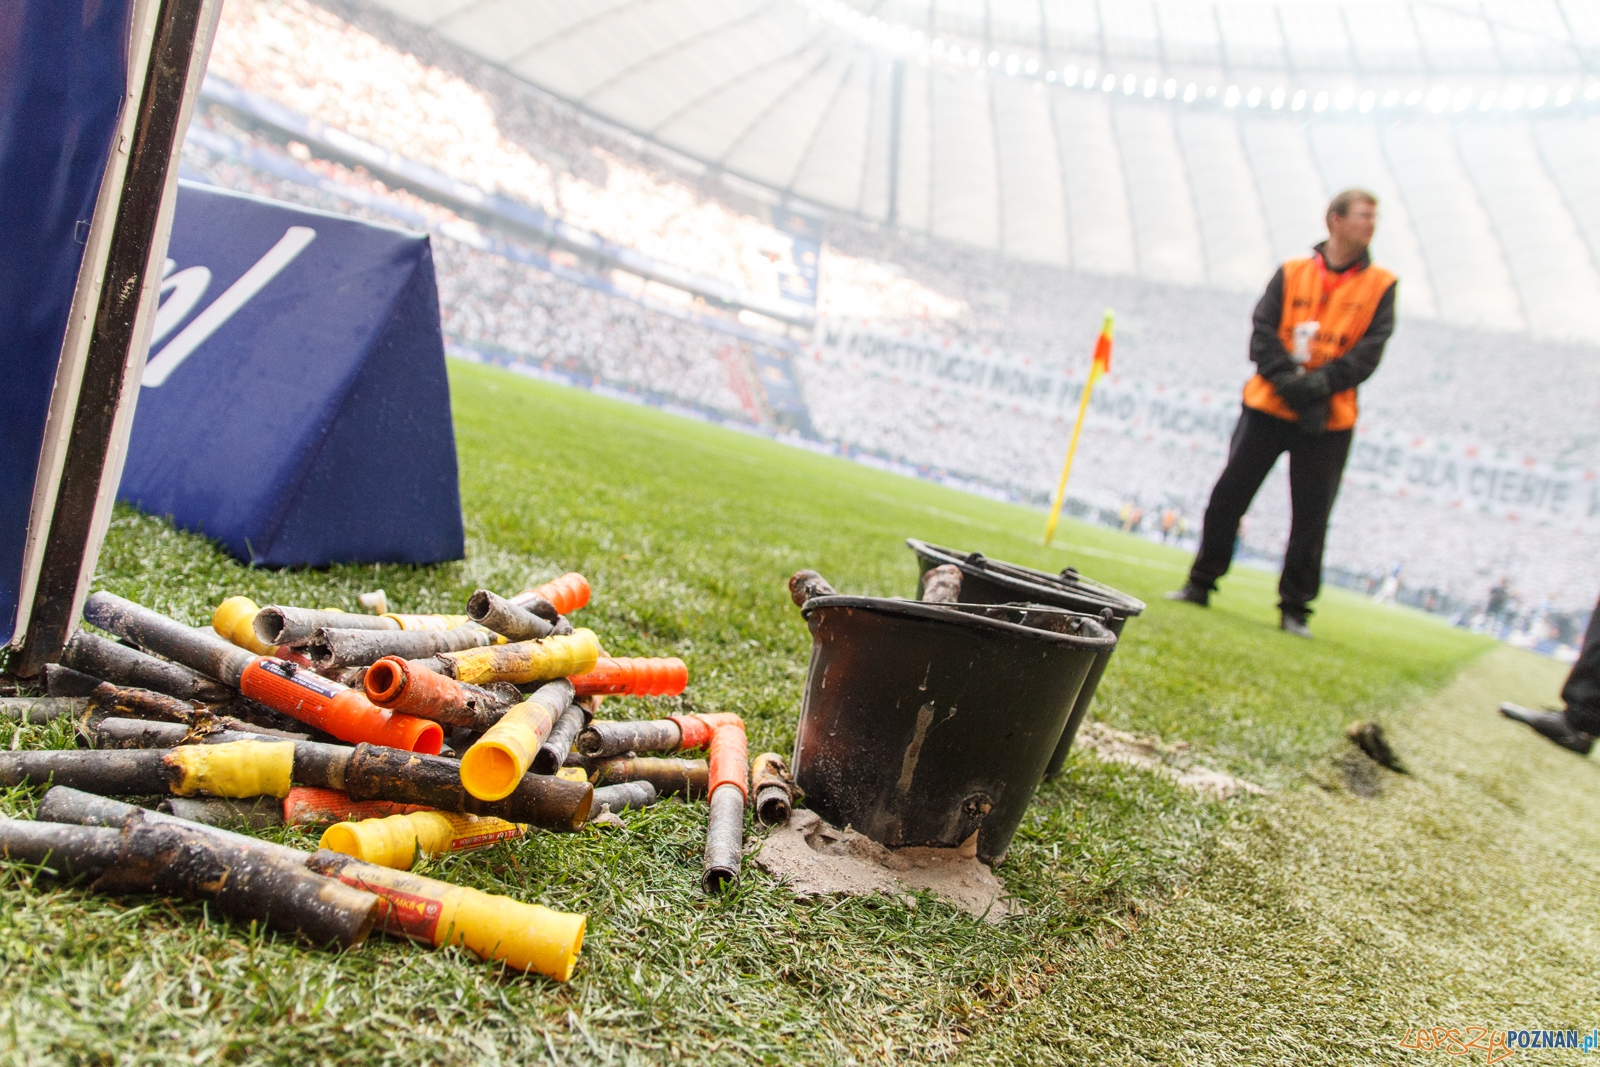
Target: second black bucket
<point x="993" y="581"/>
<point x="924" y="723"/>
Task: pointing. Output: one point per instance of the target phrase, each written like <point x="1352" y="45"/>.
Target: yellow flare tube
<point x="235" y="769"/>
<point x="234" y="622"/>
<point x="496" y="762"/>
<point x="522" y="662"/>
<point x="426" y="622"/>
<point x="398" y="840"/>
<point x="529" y="937"/>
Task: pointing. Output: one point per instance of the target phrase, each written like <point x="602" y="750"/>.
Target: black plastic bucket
<point x="923" y="723"/>
<point x="993" y="581"/>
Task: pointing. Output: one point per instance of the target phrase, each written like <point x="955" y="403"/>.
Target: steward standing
<point x="1319" y="331"/>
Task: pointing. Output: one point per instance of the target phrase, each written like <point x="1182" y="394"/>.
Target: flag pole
<point x="1101" y="364"/>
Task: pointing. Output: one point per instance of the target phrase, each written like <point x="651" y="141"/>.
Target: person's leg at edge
<point x="1577" y="727"/>
<point x="1581" y="694"/>
<point x="1316" y="463"/>
<point x="1258" y="441"/>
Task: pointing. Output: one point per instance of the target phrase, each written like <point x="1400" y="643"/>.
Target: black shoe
<point x="1192" y="594"/>
<point x="1552" y="724"/>
<point x="1294" y="624"/>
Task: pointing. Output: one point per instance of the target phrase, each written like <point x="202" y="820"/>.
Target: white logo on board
<point x="189" y="285"/>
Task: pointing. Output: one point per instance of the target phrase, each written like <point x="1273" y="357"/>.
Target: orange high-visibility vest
<point x="1344" y="305"/>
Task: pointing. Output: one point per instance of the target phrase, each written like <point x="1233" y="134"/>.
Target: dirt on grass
<point x="1169" y="759"/>
<point x="816" y="859"/>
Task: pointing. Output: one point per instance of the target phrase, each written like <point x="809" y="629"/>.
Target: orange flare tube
<point x="336" y="709"/>
<point x="699" y="730"/>
<point x="634" y="677"/>
<point x="730" y="756"/>
<point x="309" y="806"/>
<point x="567" y="593"/>
<point x="399" y="685"/>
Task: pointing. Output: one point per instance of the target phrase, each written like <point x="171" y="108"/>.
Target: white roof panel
<point x="1493" y="223"/>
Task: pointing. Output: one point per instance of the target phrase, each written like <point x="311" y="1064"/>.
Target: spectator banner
<point x="1196" y="419"/>
<point x="784" y="399"/>
<point x="1474" y="478"/>
<point x="295" y="406"/>
<point x="797" y="279"/>
<point x="1466" y="476"/>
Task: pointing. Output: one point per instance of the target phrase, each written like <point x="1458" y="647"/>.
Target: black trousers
<point x="1316" y="463"/>
<point x="1581" y="694"/>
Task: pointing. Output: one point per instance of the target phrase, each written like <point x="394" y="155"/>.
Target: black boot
<point x="1552" y="724"/>
<point x="1192" y="594"/>
<point x="1291" y="623"/>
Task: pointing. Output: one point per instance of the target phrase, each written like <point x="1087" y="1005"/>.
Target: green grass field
<point x="1307" y="926"/>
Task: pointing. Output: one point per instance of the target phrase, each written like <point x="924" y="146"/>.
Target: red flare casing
<point x="729" y="756"/>
<point x="308" y="806"/>
<point x="699" y="730"/>
<point x="568" y="593"/>
<point x="334" y="708"/>
<point x="634" y="677"/>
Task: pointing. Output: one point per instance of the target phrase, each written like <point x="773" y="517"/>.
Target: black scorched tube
<point x="357" y="648"/>
<point x="62" y="681"/>
<point x="607" y="738"/>
<point x="112" y="771"/>
<point x="688" y="778"/>
<point x="724" y="838"/>
<point x="553" y="753"/>
<point x="278" y="625"/>
<point x="208" y="654"/>
<point x="622" y="796"/>
<point x="803" y="585"/>
<point x="366" y="772"/>
<point x="108" y="701"/>
<point x="942" y="585"/>
<point x="118" y="664"/>
<point x="376" y="773"/>
<point x="70" y="851"/>
<point x="511" y="621"/>
<point x="142" y="852"/>
<point x="247" y="885"/>
<point x="259" y="814"/>
<point x="36" y="711"/>
<point x="142" y="733"/>
<point x="772" y="789"/>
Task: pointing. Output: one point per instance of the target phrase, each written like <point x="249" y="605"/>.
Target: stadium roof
<point x="1185" y="142"/>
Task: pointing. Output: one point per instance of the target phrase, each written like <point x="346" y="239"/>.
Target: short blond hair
<point x="1340" y="205"/>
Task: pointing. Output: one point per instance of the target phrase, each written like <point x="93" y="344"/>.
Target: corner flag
<point x="1100" y="366"/>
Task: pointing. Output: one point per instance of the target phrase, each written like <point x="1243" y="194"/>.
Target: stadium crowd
<point x="405" y="91"/>
<point x="517" y="308"/>
<point x="356" y="68"/>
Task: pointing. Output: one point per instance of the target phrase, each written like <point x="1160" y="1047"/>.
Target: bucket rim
<point x="1096" y="638"/>
<point x="1054" y="584"/>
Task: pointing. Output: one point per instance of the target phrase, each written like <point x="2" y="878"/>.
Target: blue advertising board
<point x="294" y="407"/>
<point x="63" y="75"/>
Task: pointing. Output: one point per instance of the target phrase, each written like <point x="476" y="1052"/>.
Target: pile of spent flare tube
<point x="406" y="735"/>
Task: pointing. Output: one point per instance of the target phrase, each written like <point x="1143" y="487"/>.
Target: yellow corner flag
<point x="1101" y="364"/>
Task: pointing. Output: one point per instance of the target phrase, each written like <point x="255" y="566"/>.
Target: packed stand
<point x="360" y="69"/>
<point x="529" y="313"/>
<point x="393" y="85"/>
